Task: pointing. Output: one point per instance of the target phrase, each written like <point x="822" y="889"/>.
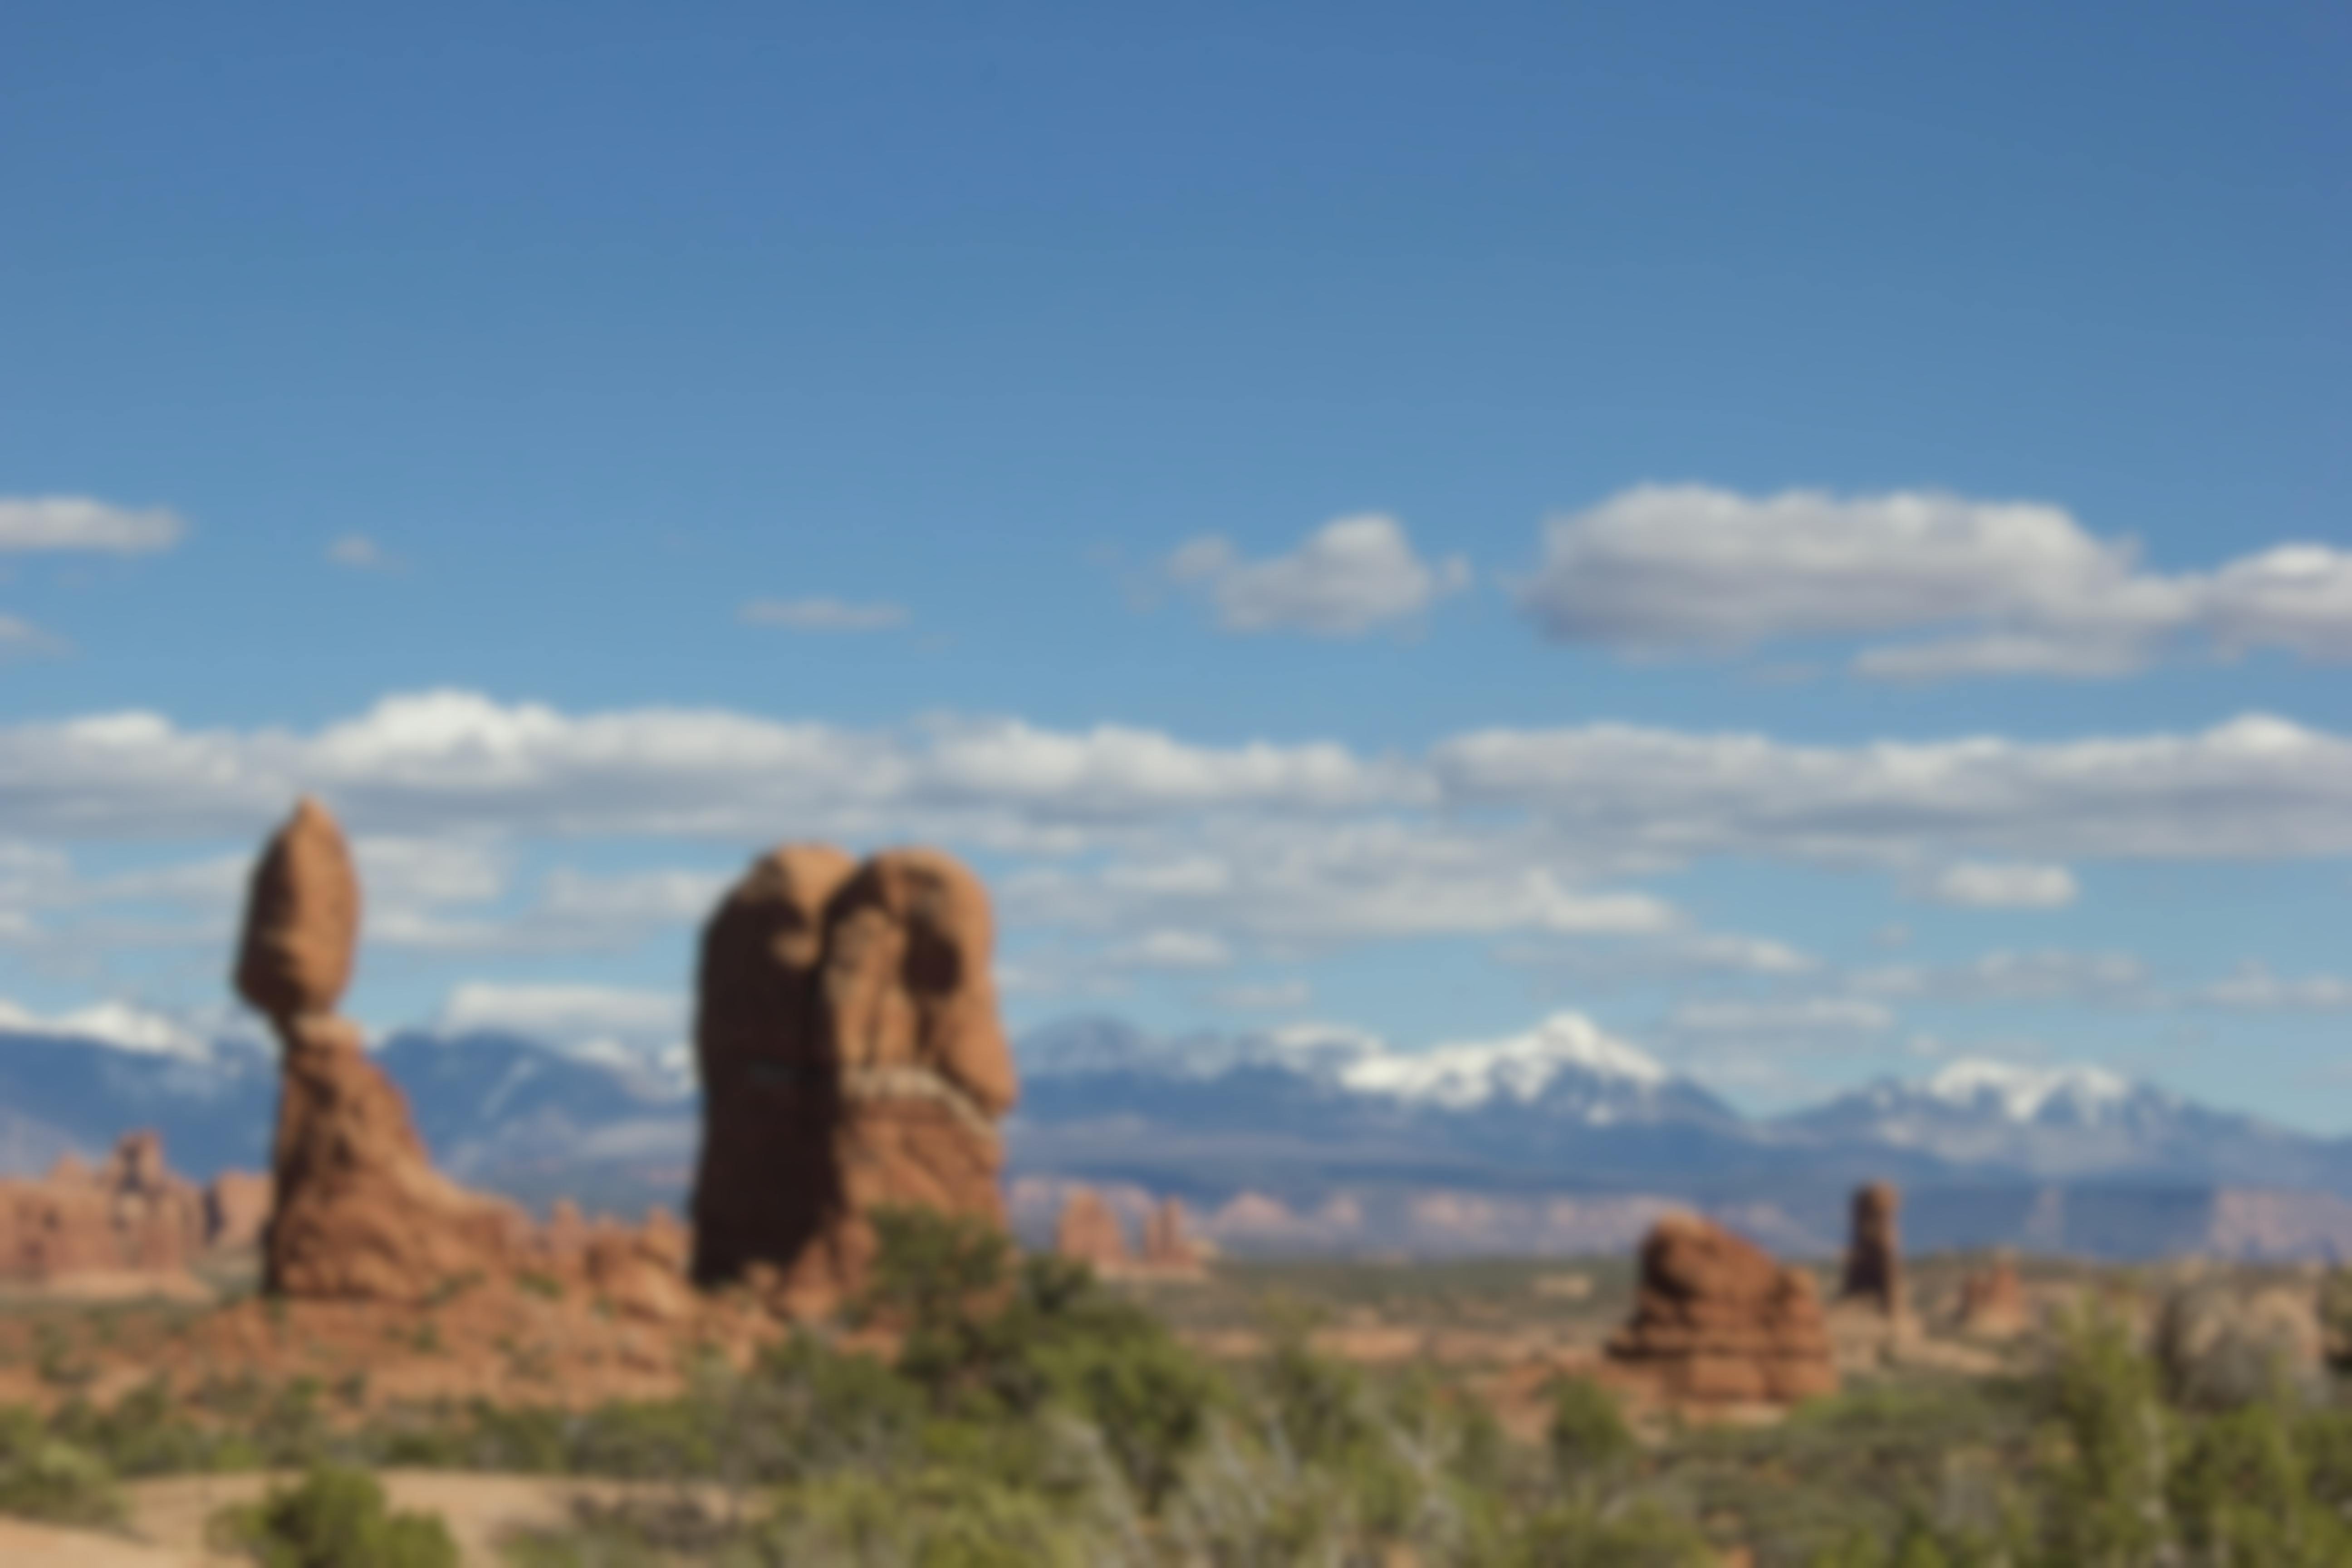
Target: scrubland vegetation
<point x="1033" y="1417"/>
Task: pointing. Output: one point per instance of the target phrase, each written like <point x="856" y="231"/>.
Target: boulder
<point x="1873" y="1264"/>
<point x="852" y="1059"/>
<point x="360" y="1213"/>
<point x="1089" y="1232"/>
<point x="1716" y="1321"/>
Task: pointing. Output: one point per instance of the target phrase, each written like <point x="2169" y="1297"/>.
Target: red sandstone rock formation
<point x="1992" y="1301"/>
<point x="236" y="1210"/>
<point x="1168" y="1246"/>
<point x="359" y="1212"/>
<point x="1873" y="1264"/>
<point x="130" y="1216"/>
<point x="852" y="1059"/>
<point x="1089" y="1233"/>
<point x="1717" y="1320"/>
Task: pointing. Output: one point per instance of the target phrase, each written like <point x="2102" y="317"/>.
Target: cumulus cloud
<point x="360" y="553"/>
<point x="2049" y="975"/>
<point x="822" y="614"/>
<point x="20" y="638"/>
<point x="80" y="523"/>
<point x="1998" y="885"/>
<point x="1808" y="1015"/>
<point x="1112" y="833"/>
<point x="2253" y="988"/>
<point x="1350" y="576"/>
<point x="2008" y="587"/>
<point x="1269" y="996"/>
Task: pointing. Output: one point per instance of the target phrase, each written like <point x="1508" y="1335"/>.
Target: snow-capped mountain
<point x="2068" y="1123"/>
<point x="1546" y="1133"/>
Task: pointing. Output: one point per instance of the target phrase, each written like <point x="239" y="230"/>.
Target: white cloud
<point x="1112" y="833"/>
<point x="1270" y="996"/>
<point x="2019" y="587"/>
<point x="2254" y="989"/>
<point x="821" y="614"/>
<point x="20" y="638"/>
<point x="77" y="522"/>
<point x="360" y="553"/>
<point x="1168" y="949"/>
<point x="1349" y="577"/>
<point x="2112" y="979"/>
<point x="1808" y="1015"/>
<point x="2001" y="885"/>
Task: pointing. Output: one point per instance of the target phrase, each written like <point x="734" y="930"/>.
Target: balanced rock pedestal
<point x="1716" y="1321"/>
<point x="360" y="1213"/>
<point x="852" y="1059"/>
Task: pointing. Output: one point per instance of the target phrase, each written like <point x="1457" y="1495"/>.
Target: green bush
<point x="45" y="1477"/>
<point x="335" y="1518"/>
<point x="1587" y="1435"/>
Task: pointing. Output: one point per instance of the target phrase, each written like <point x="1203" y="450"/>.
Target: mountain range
<point x="1560" y="1139"/>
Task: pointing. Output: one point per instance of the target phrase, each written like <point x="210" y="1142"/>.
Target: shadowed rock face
<point x="1874" y="1262"/>
<point x="768" y="1184"/>
<point x="852" y="1059"/>
<point x="1717" y="1320"/>
<point x="359" y="1212"/>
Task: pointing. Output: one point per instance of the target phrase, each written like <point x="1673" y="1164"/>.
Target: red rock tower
<point x="1873" y="1258"/>
<point x="1717" y="1320"/>
<point x="852" y="1059"/>
<point x="360" y="1213"/>
<point x="1089" y="1232"/>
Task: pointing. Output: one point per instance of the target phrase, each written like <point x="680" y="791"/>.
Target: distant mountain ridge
<point x="1554" y="1139"/>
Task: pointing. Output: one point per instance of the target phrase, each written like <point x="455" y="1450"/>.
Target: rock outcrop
<point x="1089" y="1232"/>
<point x="1169" y="1246"/>
<point x="131" y="1215"/>
<point x="360" y="1212"/>
<point x="1992" y="1301"/>
<point x="852" y="1059"/>
<point x="1874" y="1263"/>
<point x="236" y="1210"/>
<point x="1716" y="1321"/>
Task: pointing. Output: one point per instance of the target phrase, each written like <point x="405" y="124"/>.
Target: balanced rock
<point x="1873" y="1264"/>
<point x="1717" y="1320"/>
<point x="360" y="1213"/>
<point x="1089" y="1232"/>
<point x="852" y="1060"/>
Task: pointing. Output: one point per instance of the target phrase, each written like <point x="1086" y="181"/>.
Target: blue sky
<point x="1361" y="514"/>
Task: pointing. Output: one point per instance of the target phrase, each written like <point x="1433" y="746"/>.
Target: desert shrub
<point x="144" y="1433"/>
<point x="1587" y="1435"/>
<point x="654" y="1439"/>
<point x="46" y="1477"/>
<point x="334" y="1518"/>
<point x="2107" y="1451"/>
<point x="2242" y="1494"/>
<point x="1642" y="1535"/>
<point x="935" y="1518"/>
<point x="805" y="1408"/>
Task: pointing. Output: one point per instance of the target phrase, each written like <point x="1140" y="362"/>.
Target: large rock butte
<point x="360" y="1212"/>
<point x="1716" y="1321"/>
<point x="852" y="1059"/>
